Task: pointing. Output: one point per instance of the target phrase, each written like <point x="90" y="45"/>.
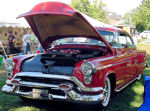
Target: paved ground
<point x="147" y="42"/>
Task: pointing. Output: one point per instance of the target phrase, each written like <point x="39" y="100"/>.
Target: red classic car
<point x="85" y="60"/>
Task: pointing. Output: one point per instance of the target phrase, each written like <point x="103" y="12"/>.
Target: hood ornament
<point x="48" y="66"/>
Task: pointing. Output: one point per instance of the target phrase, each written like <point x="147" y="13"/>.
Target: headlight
<point x="88" y="80"/>
<point x="9" y="65"/>
<point x="87" y="68"/>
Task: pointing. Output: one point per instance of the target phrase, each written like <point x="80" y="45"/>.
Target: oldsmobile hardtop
<point x="85" y="60"/>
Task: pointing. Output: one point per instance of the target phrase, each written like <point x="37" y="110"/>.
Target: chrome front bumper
<point x="72" y="94"/>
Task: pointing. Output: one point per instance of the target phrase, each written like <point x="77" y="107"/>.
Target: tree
<point x="127" y="18"/>
<point x="92" y="8"/>
<point x="141" y="16"/>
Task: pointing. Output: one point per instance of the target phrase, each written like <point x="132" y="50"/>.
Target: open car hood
<point x="55" y="20"/>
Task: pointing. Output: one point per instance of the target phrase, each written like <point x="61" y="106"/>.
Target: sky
<point x="121" y="6"/>
<point x="10" y="9"/>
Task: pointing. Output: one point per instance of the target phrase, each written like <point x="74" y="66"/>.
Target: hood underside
<point x="54" y="20"/>
<point x="60" y="26"/>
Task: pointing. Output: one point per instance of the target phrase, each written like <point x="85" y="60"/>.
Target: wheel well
<point x="112" y="78"/>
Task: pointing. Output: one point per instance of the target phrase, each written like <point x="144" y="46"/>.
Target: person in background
<point x="27" y="38"/>
<point x="34" y="43"/>
<point x="23" y="42"/>
<point x="135" y="39"/>
<point x="11" y="40"/>
<point x="41" y="49"/>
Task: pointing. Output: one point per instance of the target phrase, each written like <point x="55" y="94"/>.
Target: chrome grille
<point x="51" y="91"/>
<point x="51" y="84"/>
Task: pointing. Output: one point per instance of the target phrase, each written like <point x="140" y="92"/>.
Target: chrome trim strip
<point x="110" y="65"/>
<point x="42" y="75"/>
<point x="27" y="94"/>
<point x="39" y="85"/>
<point x="118" y="90"/>
<point x="71" y="78"/>
<point x="8" y="81"/>
<point x="79" y="97"/>
<point x="106" y="58"/>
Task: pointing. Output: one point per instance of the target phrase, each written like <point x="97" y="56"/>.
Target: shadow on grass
<point x="14" y="103"/>
<point x="129" y="99"/>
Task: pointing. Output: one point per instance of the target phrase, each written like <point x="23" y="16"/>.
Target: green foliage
<point x="141" y="16"/>
<point x="126" y="19"/>
<point x="92" y="8"/>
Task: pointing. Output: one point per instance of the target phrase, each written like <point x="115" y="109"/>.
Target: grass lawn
<point x="130" y="99"/>
<point x="143" y="39"/>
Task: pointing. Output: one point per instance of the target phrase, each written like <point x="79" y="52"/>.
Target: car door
<point x="131" y="51"/>
<point x="125" y="50"/>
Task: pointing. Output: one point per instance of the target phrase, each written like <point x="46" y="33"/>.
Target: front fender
<point x="18" y="62"/>
<point x="106" y="73"/>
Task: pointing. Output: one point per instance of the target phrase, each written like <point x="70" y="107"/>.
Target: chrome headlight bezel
<point x="87" y="68"/>
<point x="9" y="74"/>
<point x="9" y="65"/>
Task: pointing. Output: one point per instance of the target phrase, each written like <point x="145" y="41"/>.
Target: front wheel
<point x="106" y="92"/>
<point x="139" y="77"/>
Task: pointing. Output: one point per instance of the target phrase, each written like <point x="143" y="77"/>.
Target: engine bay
<point x="78" y="54"/>
<point x="62" y="60"/>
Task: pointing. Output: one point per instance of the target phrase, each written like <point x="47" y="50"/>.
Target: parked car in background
<point x="83" y="62"/>
<point x="145" y="34"/>
<point x="136" y="38"/>
<point x="139" y="38"/>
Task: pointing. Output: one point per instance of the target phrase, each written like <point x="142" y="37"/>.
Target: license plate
<point x="39" y="93"/>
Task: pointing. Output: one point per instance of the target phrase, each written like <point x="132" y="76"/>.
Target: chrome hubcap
<point x="139" y="77"/>
<point x="105" y="91"/>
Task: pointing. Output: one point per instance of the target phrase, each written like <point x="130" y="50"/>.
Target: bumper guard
<point x="69" y="95"/>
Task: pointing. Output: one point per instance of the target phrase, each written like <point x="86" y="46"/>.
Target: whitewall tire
<point x="106" y="92"/>
<point x="139" y="77"/>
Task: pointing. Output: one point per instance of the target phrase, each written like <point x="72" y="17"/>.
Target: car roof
<point x="113" y="29"/>
<point x="100" y="25"/>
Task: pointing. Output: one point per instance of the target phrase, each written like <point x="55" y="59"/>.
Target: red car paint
<point x="18" y="63"/>
<point x="125" y="64"/>
<point x="85" y="59"/>
<point x="57" y="8"/>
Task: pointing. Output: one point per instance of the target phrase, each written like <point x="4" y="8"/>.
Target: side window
<point x="125" y="40"/>
<point x="122" y="39"/>
<point x="129" y="42"/>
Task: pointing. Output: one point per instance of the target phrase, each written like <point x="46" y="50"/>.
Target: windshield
<point x="78" y="40"/>
<point x="108" y="35"/>
<point x="110" y="38"/>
